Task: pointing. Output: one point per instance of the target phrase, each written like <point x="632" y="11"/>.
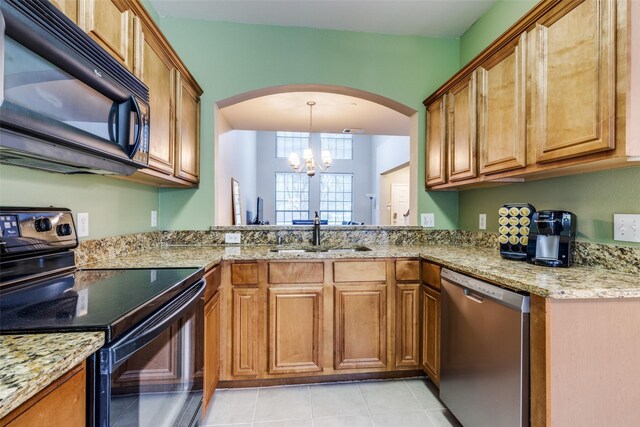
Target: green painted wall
<point x="490" y="26"/>
<point x="228" y="59"/>
<point x="593" y="197"/>
<point x="114" y="206"/>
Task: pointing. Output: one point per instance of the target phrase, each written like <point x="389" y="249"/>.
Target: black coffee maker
<point x="551" y="239"/>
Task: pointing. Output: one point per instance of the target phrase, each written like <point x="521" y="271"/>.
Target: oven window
<point x="39" y="86"/>
<point x="161" y="384"/>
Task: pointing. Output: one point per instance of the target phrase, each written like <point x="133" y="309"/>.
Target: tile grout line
<point x="366" y="406"/>
<point x="413" y="394"/>
<point x="255" y="408"/>
<point x="310" y="404"/>
<point x="427" y="411"/>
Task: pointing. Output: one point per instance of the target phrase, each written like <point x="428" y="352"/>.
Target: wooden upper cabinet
<point x="436" y="143"/>
<point x="462" y="130"/>
<point x="187" y="164"/>
<point x="112" y="24"/>
<point x="501" y="122"/>
<point x="574" y="80"/>
<point x="159" y="75"/>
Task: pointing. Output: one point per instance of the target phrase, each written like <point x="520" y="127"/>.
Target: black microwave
<point x="65" y="104"/>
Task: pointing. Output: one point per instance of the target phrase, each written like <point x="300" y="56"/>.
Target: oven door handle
<point x="147" y="331"/>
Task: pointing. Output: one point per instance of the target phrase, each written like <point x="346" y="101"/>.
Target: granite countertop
<point x="29" y="363"/>
<point x="565" y="283"/>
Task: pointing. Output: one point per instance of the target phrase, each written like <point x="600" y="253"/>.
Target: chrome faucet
<point x="316" y="230"/>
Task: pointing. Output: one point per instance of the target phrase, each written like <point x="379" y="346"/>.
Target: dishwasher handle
<point x="473" y="297"/>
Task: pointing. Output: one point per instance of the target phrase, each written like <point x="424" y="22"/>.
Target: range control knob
<point x="43" y="224"/>
<point x="63" y="230"/>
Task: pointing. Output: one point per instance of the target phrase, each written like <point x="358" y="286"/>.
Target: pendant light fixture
<point x="309" y="165"/>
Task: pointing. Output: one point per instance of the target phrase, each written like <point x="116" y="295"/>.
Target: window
<point x="340" y="145"/>
<point x="336" y="190"/>
<point x="291" y="142"/>
<point x="292" y="197"/>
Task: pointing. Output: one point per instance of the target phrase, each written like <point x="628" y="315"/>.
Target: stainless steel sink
<point x="299" y="250"/>
<point x="353" y="249"/>
<point x="294" y="250"/>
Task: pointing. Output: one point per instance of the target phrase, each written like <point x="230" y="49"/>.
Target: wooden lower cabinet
<point x="360" y="328"/>
<point x="407" y="325"/>
<point x="211" y="348"/>
<point x="431" y="333"/>
<point x="63" y="403"/>
<point x="295" y="329"/>
<point x="245" y="332"/>
<point x="297" y="320"/>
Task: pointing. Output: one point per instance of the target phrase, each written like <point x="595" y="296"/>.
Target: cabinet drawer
<point x="213" y="279"/>
<point x="244" y="274"/>
<point x="407" y="270"/>
<point x="431" y="274"/>
<point x="359" y="271"/>
<point x="296" y="272"/>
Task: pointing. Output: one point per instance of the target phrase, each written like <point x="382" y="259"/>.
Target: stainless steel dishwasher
<point x="484" y="373"/>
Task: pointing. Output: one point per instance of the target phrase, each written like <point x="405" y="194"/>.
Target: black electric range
<point x="152" y="319"/>
<point x="91" y="300"/>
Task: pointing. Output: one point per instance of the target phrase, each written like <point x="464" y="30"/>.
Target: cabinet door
<point x="112" y="25"/>
<point x="211" y="348"/>
<point x="462" y="130"/>
<point x="159" y="76"/>
<point x="407" y="325"/>
<point x="295" y="323"/>
<point x="187" y="132"/>
<point x="431" y="333"/>
<point x="502" y="126"/>
<point x="574" y="105"/>
<point x="68" y="7"/>
<point x="245" y="332"/>
<point x="436" y="140"/>
<point x="360" y="326"/>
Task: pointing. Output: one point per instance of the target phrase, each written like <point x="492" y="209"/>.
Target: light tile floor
<point x="394" y="403"/>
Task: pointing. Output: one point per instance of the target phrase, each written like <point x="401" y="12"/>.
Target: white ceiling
<point x="440" y="18"/>
<point x="332" y="113"/>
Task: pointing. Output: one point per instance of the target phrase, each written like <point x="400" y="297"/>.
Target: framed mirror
<point x="236" y="209"/>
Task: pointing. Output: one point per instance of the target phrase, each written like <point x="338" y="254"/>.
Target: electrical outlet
<point x="83" y="224"/>
<point x="482" y="221"/>
<point x="154" y="218"/>
<point x="626" y="227"/>
<point x="232" y="237"/>
<point x="428" y="220"/>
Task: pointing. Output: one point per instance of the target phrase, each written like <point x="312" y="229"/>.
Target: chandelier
<point x="310" y="163"/>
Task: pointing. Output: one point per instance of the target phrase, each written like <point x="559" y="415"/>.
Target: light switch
<point x="626" y="227"/>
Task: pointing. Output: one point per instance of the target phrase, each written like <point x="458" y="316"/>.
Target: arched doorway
<point x="284" y="108"/>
